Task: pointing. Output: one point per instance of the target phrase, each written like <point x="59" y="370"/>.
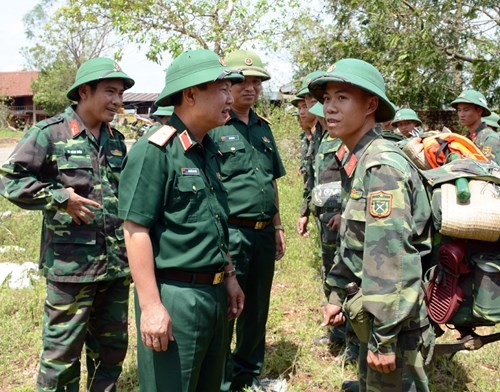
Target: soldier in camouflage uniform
<point x="384" y="232"/>
<point x="68" y="166"/>
<point x="317" y="133"/>
<point x="471" y="105"/>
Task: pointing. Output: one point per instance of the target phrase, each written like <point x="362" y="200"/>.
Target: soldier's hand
<point x="302" y="226"/>
<point x="235" y="298"/>
<point x="334" y="223"/>
<point x="156" y="327"/>
<point x="332" y="315"/>
<point x="279" y="249"/>
<point x="78" y="207"/>
<point x="380" y="362"/>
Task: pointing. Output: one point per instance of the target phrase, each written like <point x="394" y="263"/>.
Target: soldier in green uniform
<point x="492" y="121"/>
<point x="175" y="210"/>
<point x="384" y="232"/>
<point x="471" y="105"/>
<point x="250" y="166"/>
<point x="306" y="121"/>
<point x="163" y="113"/>
<point x="407" y="122"/>
<point x="68" y="166"/>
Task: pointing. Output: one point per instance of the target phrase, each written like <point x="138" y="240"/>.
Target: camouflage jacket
<point x="326" y="168"/>
<point x="384" y="233"/>
<point x="488" y="142"/>
<point x="309" y="170"/>
<point x="59" y="153"/>
<point x="304" y="148"/>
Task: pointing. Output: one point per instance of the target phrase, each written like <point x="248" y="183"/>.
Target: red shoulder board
<point x="162" y="135"/>
<point x="351" y="165"/>
<point x="75" y="129"/>
<point x="185" y="140"/>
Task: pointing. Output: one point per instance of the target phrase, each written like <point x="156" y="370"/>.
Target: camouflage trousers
<point x="409" y="375"/>
<point x="328" y="247"/>
<point x="94" y="314"/>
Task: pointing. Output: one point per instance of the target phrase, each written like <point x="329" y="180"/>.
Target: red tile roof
<point x="17" y="84"/>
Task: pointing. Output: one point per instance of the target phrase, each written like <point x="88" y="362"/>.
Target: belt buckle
<point x="260" y="225"/>
<point x="218" y="278"/>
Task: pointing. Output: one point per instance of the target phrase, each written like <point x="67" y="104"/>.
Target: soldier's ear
<point x="372" y="104"/>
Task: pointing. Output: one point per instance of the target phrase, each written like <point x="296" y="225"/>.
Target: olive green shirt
<point x="174" y="188"/>
<point x="249" y="163"/>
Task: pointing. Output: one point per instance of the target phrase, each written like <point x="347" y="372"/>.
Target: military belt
<point x="211" y="278"/>
<point x="251" y="223"/>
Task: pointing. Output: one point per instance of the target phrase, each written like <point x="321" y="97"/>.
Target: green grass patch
<point x="294" y="317"/>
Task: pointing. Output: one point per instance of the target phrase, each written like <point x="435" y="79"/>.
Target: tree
<point x="61" y="47"/>
<point x="428" y="50"/>
<point x="176" y="25"/>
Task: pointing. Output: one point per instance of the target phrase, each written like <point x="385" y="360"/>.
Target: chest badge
<point x="380" y="204"/>
<point x="229" y="138"/>
<point x="190" y="171"/>
<point x="355" y="194"/>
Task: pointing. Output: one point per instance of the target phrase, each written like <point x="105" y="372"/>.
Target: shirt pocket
<point x="76" y="171"/>
<point x="233" y="153"/>
<point x="352" y="226"/>
<point x="191" y="199"/>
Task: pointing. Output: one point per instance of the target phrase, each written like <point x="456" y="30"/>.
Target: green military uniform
<point x="85" y="265"/>
<point x="304" y="148"/>
<point x="175" y="190"/>
<point x="249" y="164"/>
<point x="383" y="235"/>
<point x="171" y="185"/>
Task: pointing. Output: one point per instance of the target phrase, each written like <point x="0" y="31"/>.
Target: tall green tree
<point x="60" y="46"/>
<point x="428" y="50"/>
<point x="174" y="26"/>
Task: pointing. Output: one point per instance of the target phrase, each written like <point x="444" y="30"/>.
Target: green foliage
<point x="174" y="26"/>
<point x="4" y="111"/>
<point x="60" y="47"/>
<point x="428" y="51"/>
<point x="52" y="84"/>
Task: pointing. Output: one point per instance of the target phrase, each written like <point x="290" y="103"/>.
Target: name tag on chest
<point x="190" y="171"/>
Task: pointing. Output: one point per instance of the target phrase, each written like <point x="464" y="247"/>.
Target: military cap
<point x="98" y="68"/>
<point x="317" y="110"/>
<point x="193" y="68"/>
<point x="248" y="62"/>
<point x="360" y="74"/>
<point x="474" y="97"/>
<point x="305" y="83"/>
<point x="163" y="111"/>
<point x="406" y="115"/>
<point x="493" y="120"/>
<point x="295" y="101"/>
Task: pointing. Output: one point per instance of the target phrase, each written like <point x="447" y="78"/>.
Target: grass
<point x="293" y="320"/>
<point x="10" y="134"/>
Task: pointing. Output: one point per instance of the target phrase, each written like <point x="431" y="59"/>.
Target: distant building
<point x="17" y="87"/>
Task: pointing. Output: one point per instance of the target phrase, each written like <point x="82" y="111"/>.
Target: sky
<point x="149" y="77"/>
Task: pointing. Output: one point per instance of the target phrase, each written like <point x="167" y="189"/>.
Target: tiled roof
<point x="17" y="84"/>
<point x="139" y="97"/>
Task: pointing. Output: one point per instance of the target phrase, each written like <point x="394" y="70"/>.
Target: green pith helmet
<point x="305" y="82"/>
<point x="493" y="120"/>
<point x="360" y="74"/>
<point x="98" y="68"/>
<point x="474" y="97"/>
<point x="248" y="62"/>
<point x="193" y="68"/>
<point x="406" y="115"/>
<point x="295" y="101"/>
<point x="164" y="111"/>
<point x="317" y="110"/>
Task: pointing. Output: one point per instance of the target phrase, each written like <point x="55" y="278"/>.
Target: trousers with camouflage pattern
<point x="94" y="314"/>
